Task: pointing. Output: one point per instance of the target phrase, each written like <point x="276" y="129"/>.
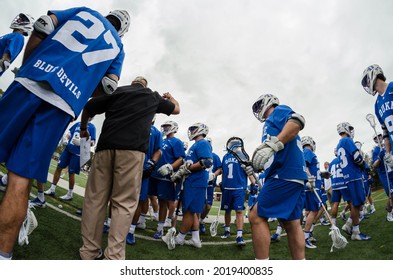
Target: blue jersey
<point x="336" y="175"/>
<point x="384" y="110"/>
<point x="155" y="142"/>
<point x="172" y="149"/>
<point x="201" y="149"/>
<point x="76" y="55"/>
<point x="287" y="164"/>
<point x="75" y="131"/>
<point x="12" y="44"/>
<point x="233" y="175"/>
<point x="346" y="151"/>
<point x="313" y="166"/>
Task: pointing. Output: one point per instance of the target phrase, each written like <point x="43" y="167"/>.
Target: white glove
<point x="4" y="64"/>
<point x="388" y="158"/>
<point x="248" y="169"/>
<point x="265" y="151"/>
<point x="183" y="171"/>
<point x="311" y="183"/>
<point x="76" y="140"/>
<point x="166" y="169"/>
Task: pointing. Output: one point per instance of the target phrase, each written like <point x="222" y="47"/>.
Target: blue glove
<point x="381" y="155"/>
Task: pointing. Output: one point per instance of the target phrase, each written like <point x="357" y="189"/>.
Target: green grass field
<point x="58" y="238"/>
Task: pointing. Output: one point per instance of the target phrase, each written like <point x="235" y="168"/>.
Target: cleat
<point x="271" y="220"/>
<point x="49" y="192"/>
<point x="141" y="225"/>
<point x="157" y="234"/>
<point x="130" y="239"/>
<point x="66" y="197"/>
<point x="325" y="223"/>
<point x="226" y="234"/>
<point x="202" y="228"/>
<point x="309" y="245"/>
<point x="192" y="242"/>
<point x="180" y="242"/>
<point x="275" y="237"/>
<point x="360" y="236"/>
<point x="372" y="211"/>
<point x="2" y="185"/>
<point x="342" y="215"/>
<point x="389" y="218"/>
<point x="311" y="237"/>
<point x="37" y="203"/>
<point x="240" y="241"/>
<point x="100" y="255"/>
<point x="364" y="217"/>
<point x="347" y="229"/>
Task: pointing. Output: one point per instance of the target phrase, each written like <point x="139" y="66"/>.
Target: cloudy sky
<point x="217" y="57"/>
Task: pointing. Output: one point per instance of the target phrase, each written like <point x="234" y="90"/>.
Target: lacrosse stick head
<point x="235" y="146"/>
<point x="339" y="241"/>
<point x="371" y="119"/>
<point x="213" y="228"/>
<point x="29" y="224"/>
<point x="169" y="238"/>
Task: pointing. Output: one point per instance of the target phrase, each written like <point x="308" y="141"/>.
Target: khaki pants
<point x="115" y="176"/>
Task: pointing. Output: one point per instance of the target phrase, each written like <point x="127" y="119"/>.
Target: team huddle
<point x="71" y="67"/>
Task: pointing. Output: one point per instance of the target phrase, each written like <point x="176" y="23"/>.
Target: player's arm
<point x="289" y="132"/>
<point x="386" y="138"/>
<point x="43" y="26"/>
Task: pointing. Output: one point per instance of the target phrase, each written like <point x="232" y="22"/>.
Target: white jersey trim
<point x="44" y="91"/>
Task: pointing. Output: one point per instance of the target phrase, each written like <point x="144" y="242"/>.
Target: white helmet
<point x="169" y="127"/>
<point x="196" y="130"/>
<point x="369" y="78"/>
<point x="23" y="22"/>
<point x="263" y="103"/>
<point x="307" y="140"/>
<point x="124" y="18"/>
<point x="345" y="127"/>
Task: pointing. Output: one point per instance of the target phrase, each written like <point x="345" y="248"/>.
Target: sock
<point x="160" y="226"/>
<point x="306" y="234"/>
<point x="349" y="221"/>
<point x="132" y="228"/>
<point x="356" y="229"/>
<point x="70" y="191"/>
<point x="239" y="233"/>
<point x="142" y="219"/>
<point x="41" y="196"/>
<point x="195" y="235"/>
<point x="181" y="236"/>
<point x="227" y="228"/>
<point x="168" y="220"/>
<point x="334" y="221"/>
<point x="53" y="187"/>
<point x="312" y="228"/>
<point x="156" y="215"/>
<point x="279" y="230"/>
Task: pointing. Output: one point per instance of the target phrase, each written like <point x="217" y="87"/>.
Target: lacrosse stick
<point x="370" y="118"/>
<point x="169" y="237"/>
<point x="339" y="241"/>
<point x="214" y="225"/>
<point x="235" y="146"/>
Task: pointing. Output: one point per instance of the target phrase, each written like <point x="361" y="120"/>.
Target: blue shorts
<point x="311" y="202"/>
<point x="252" y="199"/>
<point x="31" y="130"/>
<point x="341" y="193"/>
<point x="153" y="182"/>
<point x="358" y="196"/>
<point x="386" y="183"/>
<point x="209" y="195"/>
<point x="193" y="199"/>
<point x="166" y="190"/>
<point x="281" y="199"/>
<point x="71" y="160"/>
<point x="144" y="189"/>
<point x="233" y="200"/>
<point x="324" y="197"/>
